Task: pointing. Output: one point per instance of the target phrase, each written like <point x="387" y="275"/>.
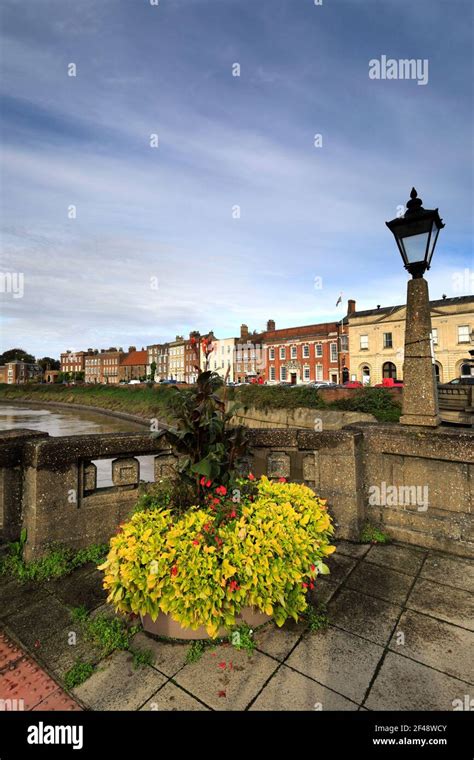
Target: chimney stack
<point x="270" y="325"/>
<point x="351" y="306"/>
<point x="131" y="348"/>
<point x="244" y="331"/>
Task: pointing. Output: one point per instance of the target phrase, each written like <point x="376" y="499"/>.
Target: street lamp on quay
<point x="416" y="234"/>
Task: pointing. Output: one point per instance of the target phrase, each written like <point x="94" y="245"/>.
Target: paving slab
<point x="323" y="591"/>
<point x="59" y="652"/>
<point x="450" y="604"/>
<point x="16" y="596"/>
<point x="171" y="698"/>
<point x="337" y="659"/>
<point x="389" y="584"/>
<point x="58" y="701"/>
<point x="451" y="571"/>
<point x="364" y="615"/>
<point x="9" y="652"/>
<point x="117" y="685"/>
<point x="288" y="690"/>
<point x="84" y="591"/>
<point x="168" y="657"/>
<point x="351" y="549"/>
<point x="340" y="567"/>
<point x="38" y="622"/>
<point x="278" y="642"/>
<point x="435" y="643"/>
<point x="402" y="684"/>
<point x="405" y="559"/>
<point x="28" y="682"/>
<point x="226" y="679"/>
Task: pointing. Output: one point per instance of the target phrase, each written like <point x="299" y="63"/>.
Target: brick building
<point x="309" y="353"/>
<point x="176" y="362"/>
<point x="103" y="366"/>
<point x="74" y="361"/>
<point x="158" y="355"/>
<point x="191" y="357"/>
<point x="18" y="372"/>
<point x="249" y="354"/>
<point x="133" y="366"/>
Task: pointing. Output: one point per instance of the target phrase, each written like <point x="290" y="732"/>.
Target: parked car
<point x="168" y="382"/>
<point x="463" y="380"/>
<point x="134" y="382"/>
<point x="389" y="382"/>
<point x="352" y="384"/>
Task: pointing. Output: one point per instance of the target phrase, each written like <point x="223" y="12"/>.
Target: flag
<point x="339" y="300"/>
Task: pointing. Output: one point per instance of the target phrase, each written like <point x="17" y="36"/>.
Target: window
<point x="272" y="373"/>
<point x="334" y="352"/>
<point x="319" y="349"/>
<point x="463" y="334"/>
<point x="293" y="352"/>
<point x="283" y="373"/>
<point x="319" y="371"/>
<point x="364" y="342"/>
<point x="306" y="352"/>
<point x="387" y="340"/>
<point x="306" y="373"/>
<point x="271" y="353"/>
<point x="434" y="335"/>
<point x="344" y="343"/>
<point x="282" y="352"/>
<point x="389" y="370"/>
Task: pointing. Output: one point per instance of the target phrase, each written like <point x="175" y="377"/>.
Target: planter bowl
<point x="164" y="625"/>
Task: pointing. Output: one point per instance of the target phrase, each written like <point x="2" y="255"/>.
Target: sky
<point x="155" y="192"/>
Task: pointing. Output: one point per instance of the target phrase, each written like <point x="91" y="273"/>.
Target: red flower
<point x="196" y="542"/>
<point x="221" y="490"/>
<point x="222" y="665"/>
<point x="233" y="586"/>
<point x="202" y="482"/>
<point x="208" y="483"/>
<point x="305" y="585"/>
<point x="174" y="570"/>
<point x="282" y="480"/>
<point x="215" y="501"/>
<point x="313" y="568"/>
<point x="311" y="585"/>
<point x="233" y="514"/>
<point x="251" y="476"/>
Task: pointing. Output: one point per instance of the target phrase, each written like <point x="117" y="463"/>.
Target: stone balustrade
<point x="49" y="485"/>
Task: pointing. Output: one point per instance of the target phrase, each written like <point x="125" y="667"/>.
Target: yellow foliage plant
<point x="265" y="556"/>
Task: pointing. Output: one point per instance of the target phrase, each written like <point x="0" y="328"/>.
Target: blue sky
<point x="154" y="250"/>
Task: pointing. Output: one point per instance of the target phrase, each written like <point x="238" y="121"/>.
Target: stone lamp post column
<point x="416" y="234"/>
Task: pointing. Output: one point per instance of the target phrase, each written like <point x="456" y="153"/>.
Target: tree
<point x="16" y="354"/>
<point x="48" y="363"/>
<point x="152" y="370"/>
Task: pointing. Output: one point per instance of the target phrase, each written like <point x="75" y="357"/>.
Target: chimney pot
<point x="271" y="325"/>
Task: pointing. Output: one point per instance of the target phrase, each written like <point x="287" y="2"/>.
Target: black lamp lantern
<point x="416" y="234"/>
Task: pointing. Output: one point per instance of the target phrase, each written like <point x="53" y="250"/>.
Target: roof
<point x="433" y="304"/>
<point x="135" y="358"/>
<point x="300" y="332"/>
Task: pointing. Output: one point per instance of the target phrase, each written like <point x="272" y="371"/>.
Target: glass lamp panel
<point x="415" y="247"/>
<point x="432" y="243"/>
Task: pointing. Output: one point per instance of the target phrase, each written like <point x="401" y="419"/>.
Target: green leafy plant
<point x="377" y="401"/>
<point x="205" y="566"/>
<point x="317" y="617"/>
<point x="77" y="674"/>
<point x="58" y="562"/>
<point x="195" y="651"/>
<point x="141" y="657"/>
<point x="242" y="638"/>
<point x="109" y="633"/>
<point x="209" y="449"/>
<point x="372" y="535"/>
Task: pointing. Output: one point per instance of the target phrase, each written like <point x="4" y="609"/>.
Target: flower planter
<point x="164" y="625"/>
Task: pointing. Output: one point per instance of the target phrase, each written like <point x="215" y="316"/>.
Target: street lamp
<point x="416" y="234"/>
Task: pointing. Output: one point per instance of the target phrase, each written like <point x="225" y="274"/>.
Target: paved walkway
<point x="400" y="637"/>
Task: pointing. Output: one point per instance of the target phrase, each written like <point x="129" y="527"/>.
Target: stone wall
<point x="300" y="418"/>
<point x="49" y="485"/>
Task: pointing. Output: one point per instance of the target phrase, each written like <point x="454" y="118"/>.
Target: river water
<point x="58" y="422"/>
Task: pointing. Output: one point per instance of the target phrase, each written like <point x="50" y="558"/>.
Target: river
<point x="58" y="422"/>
